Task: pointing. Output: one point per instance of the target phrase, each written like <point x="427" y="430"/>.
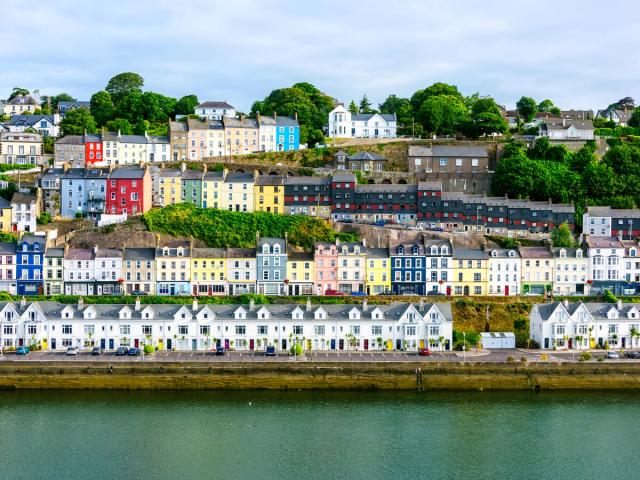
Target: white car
<point x="72" y="350"/>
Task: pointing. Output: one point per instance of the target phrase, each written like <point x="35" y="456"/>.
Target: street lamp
<point x="464" y="347"/>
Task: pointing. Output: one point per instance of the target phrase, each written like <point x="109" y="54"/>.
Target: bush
<point x="585" y="356"/>
<point x="148" y="349"/>
<point x="296" y="349"/>
<point x="600" y="359"/>
<point x="523" y="359"/>
<point x="520" y="323"/>
<point x="44" y="218"/>
<point x="510" y="359"/>
<point x="609" y="297"/>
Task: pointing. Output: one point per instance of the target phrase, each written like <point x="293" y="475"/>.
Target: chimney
<point x="157" y="240"/>
<point x="183" y="167"/>
<point x="137" y="307"/>
<point x="252" y="305"/>
<point x="619" y="304"/>
<point x="257" y="237"/>
<point x="308" y="304"/>
<point x="23" y="303"/>
<point x="141" y="163"/>
<point x="565" y="302"/>
<point x="119" y="134"/>
<point x="364" y="242"/>
<point x="80" y="303"/>
<point x="258" y="115"/>
<point x="204" y="168"/>
<point x="364" y="305"/>
<point x="295" y="115"/>
<point x="564" y="122"/>
<point x="421" y="305"/>
<point x="194" y="306"/>
<point x="275" y="116"/>
<point x="95" y="249"/>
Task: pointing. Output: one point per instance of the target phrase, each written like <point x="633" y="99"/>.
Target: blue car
<point x="22" y="350"/>
<point x="133" y="351"/>
<point x="121" y="351"/>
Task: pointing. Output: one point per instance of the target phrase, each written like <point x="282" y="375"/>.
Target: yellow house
<point x="209" y="271"/>
<point x="378" y="274"/>
<point x="537" y="264"/>
<point x="300" y="273"/>
<point x="470" y="272"/>
<point x="241" y="135"/>
<point x="20" y="105"/>
<point x="178" y="140"/>
<point x="268" y="195"/>
<point x="213" y="190"/>
<point x="5" y="215"/>
<point x="237" y="192"/>
<point x="170" y="186"/>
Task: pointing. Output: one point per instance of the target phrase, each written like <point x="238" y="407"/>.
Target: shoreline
<point x="478" y="376"/>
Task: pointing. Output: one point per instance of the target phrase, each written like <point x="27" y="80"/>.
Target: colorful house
<point x="469" y="272"/>
<point x="128" y="191"/>
<point x="173" y="269"/>
<point x="407" y="268"/>
<point x="271" y="262"/>
<point x="536" y="271"/>
<point x="209" y="271"/>
<point x="378" y="272"/>
<point x="53" y="271"/>
<point x="287" y="133"/>
<point x="213" y="189"/>
<point x="29" y="260"/>
<point x="352" y="264"/>
<point x="241" y="270"/>
<point x="269" y="194"/>
<point x="300" y="273"/>
<point x="191" y="187"/>
<point x="325" y="257"/>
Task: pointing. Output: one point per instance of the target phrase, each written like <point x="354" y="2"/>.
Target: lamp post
<point x="464" y="347"/>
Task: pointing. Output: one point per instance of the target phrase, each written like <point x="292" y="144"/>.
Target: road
<point x="499" y="356"/>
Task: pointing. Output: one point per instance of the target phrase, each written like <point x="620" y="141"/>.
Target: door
<point x="506" y="290"/>
<point x="136" y="343"/>
<point x="366" y="344"/>
<point x="53" y="344"/>
<point x="448" y="291"/>
<point x="398" y="344"/>
<point x="172" y="290"/>
<point x="422" y="343"/>
<point x="466" y="290"/>
<point x="251" y="344"/>
<point x="341" y="344"/>
<point x="226" y="344"/>
<point x="194" y="344"/>
<point x="624" y="342"/>
<point x="333" y="344"/>
<point x="570" y="343"/>
<point x="111" y="344"/>
<point x="20" y="342"/>
<point x="102" y="343"/>
<point x="169" y="344"/>
<point x="284" y="344"/>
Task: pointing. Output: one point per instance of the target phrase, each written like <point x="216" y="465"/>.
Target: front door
<point x="102" y="343"/>
<point x="506" y="290"/>
<point x="136" y="343"/>
<point x="53" y="344"/>
<point x="366" y="344"/>
<point x="398" y="344"/>
<point x="169" y="344"/>
<point x="172" y="290"/>
<point x="333" y="344"/>
<point x="422" y="343"/>
<point x="194" y="344"/>
<point x="111" y="344"/>
<point x="226" y="344"/>
<point x="284" y="344"/>
<point x="624" y="342"/>
<point x="570" y="343"/>
<point x="448" y="291"/>
<point x="251" y="344"/>
<point x="341" y="344"/>
<point x="20" y="342"/>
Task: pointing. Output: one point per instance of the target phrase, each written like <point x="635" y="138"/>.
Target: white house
<point x="398" y="326"/>
<point x="566" y="129"/>
<point x="571" y="267"/>
<point x="504" y="272"/>
<point x="606" y="256"/>
<point x="564" y="325"/>
<point x="343" y="124"/>
<point x="24" y="212"/>
<point x="215" y="110"/>
<point x="45" y="125"/>
<point x="438" y="266"/>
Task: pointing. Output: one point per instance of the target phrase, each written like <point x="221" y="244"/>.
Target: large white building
<point x="343" y="124"/>
<point x="215" y="110"/>
<point x="504" y="272"/>
<point x="564" y="325"/>
<point x="564" y="129"/>
<point x="398" y="326"/>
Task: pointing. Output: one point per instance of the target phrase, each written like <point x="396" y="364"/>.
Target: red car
<point x="333" y="293"/>
<point x="424" y="352"/>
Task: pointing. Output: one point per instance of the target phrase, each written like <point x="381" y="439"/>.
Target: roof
<point x="213" y="104"/>
<point x="377" y="252"/>
<point x="469" y="254"/>
<point x="387" y="188"/>
<point x="26" y="198"/>
<point x="430" y="185"/>
<point x="307" y="181"/>
<point x="570" y="252"/>
<point x="241" y="253"/>
<point x="127" y="173"/>
<point x="272" y="241"/>
<point x="535" y="252"/>
<point x="108" y="253"/>
<point x="603" y="242"/>
<point x="4" y="203"/>
<point x="30" y="119"/>
<point x="79" y="254"/>
<point x="270" y="180"/>
<point x="365" y="117"/>
<point x="31" y="239"/>
<point x="22" y="100"/>
<point x="367" y="156"/>
<point x="503" y="253"/>
<point x="497" y="334"/>
<point x="613" y="212"/>
<point x="564" y="124"/>
<point x="192" y="175"/>
<point x="300" y="256"/>
<point x="208" y="253"/>
<point x="238" y="177"/>
<point x="240" y="123"/>
<point x="344" y="177"/>
<point x="447" y="151"/>
<point x="9" y="248"/>
<point x="70" y="140"/>
<point x="287" y="122"/>
<point x="144" y="254"/>
<point x="75" y="103"/>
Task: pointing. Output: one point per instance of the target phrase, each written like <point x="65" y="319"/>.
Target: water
<point x="299" y="435"/>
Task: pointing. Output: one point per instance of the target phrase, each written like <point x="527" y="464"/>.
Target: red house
<point x="128" y="191"/>
<point x="93" y="149"/>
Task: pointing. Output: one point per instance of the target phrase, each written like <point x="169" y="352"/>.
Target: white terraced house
<point x="55" y="326"/>
<point x="564" y="325"/>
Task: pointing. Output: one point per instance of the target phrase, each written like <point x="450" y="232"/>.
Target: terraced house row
<point x="273" y="267"/>
<point x="398" y="326"/>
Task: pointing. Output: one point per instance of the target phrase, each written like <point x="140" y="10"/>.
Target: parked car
<point x="380" y="223"/>
<point x="134" y="352"/>
<point x="424" y="352"/>
<point x="271" y="351"/>
<point x="219" y="351"/>
<point x="612" y="355"/>
<point x="121" y="351"/>
<point x="139" y="293"/>
<point x="434" y="292"/>
<point x="96" y="351"/>
<point x="333" y="293"/>
<point x="72" y="351"/>
<point x="22" y="350"/>
<point x="358" y="294"/>
<point x="634" y="355"/>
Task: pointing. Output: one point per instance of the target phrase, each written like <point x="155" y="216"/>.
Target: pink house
<point x="325" y="258"/>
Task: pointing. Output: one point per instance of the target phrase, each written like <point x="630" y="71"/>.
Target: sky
<point x="578" y="53"/>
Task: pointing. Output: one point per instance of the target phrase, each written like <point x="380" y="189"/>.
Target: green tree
<point x="141" y="127"/>
<point x="17" y="91"/>
<point x="485" y="119"/>
<point x="120" y="125"/>
<point x="434" y="90"/>
<point x="634" y="120"/>
<point x="548" y="106"/>
<point x="353" y="108"/>
<point x="365" y="105"/>
<point x="124" y="83"/>
<point x="527" y="108"/>
<point x="404" y="114"/>
<point x="561" y="236"/>
<point x="442" y="114"/>
<point x="130" y="107"/>
<point x="186" y="105"/>
<point x="56" y="99"/>
<point x="77" y="121"/>
<point x="102" y="107"/>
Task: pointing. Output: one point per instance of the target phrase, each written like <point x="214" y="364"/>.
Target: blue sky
<point x="579" y="53"/>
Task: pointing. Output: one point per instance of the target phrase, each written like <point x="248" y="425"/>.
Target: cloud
<point x="574" y="52"/>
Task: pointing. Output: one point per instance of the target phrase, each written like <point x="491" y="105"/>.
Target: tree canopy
<point x="17" y="91"/>
<point x="123" y="84"/>
<point x="77" y="121"/>
<point x="527" y="108"/>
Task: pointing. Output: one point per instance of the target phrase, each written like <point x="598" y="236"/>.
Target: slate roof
<point x="535" y="252"/>
<point x="8" y="248"/>
<point x="287" y="122"/>
<point x="237" y="123"/>
<point x="344" y="177"/>
<point x="365" y="117"/>
<point x="209" y="253"/>
<point x="387" y="188"/>
<point x="237" y="177"/>
<point x="79" y="254"/>
<point x="367" y="156"/>
<point x="29" y="120"/>
<point x="213" y="104"/>
<point x="377" y="252"/>
<point x="469" y="254"/>
<point x="448" y="151"/>
<point x="603" y="242"/>
<point x="118" y="173"/>
<point x="22" y="100"/>
<point x="307" y="181"/>
<point x="143" y="254"/>
<point x="23" y="198"/>
<point x="70" y="140"/>
<point x="241" y="253"/>
<point x="4" y="203"/>
<point x="613" y="212"/>
<point x="564" y="124"/>
<point x="270" y="180"/>
<point x="570" y="252"/>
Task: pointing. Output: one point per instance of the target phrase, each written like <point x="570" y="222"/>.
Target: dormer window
<point x="434" y="250"/>
<point x="344" y="250"/>
<point x="578" y="253"/>
<point x="512" y="253"/>
<point x="180" y="252"/>
<point x="401" y="250"/>
<point x="276" y="249"/>
<point x="444" y="251"/>
<point x="416" y="249"/>
<point x="494" y="253"/>
<point x="265" y="249"/>
<point x="632" y="252"/>
<point x="165" y="251"/>
<point x="563" y="253"/>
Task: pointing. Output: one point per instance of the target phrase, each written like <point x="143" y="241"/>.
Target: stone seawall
<point x="319" y="376"/>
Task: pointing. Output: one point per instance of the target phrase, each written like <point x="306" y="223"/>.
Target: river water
<point x="318" y="435"/>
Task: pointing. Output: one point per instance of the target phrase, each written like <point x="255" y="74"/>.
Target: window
<point x="67" y="329"/>
<point x="297" y="329"/>
<point x="241" y="329"/>
<point x="183" y="329"/>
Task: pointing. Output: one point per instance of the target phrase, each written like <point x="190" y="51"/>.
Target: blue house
<point x="271" y="261"/>
<point x="83" y="191"/>
<point x="29" y="260"/>
<point x="407" y="268"/>
<point x="287" y="133"/>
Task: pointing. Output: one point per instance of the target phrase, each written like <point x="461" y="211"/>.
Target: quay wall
<point x="303" y="375"/>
